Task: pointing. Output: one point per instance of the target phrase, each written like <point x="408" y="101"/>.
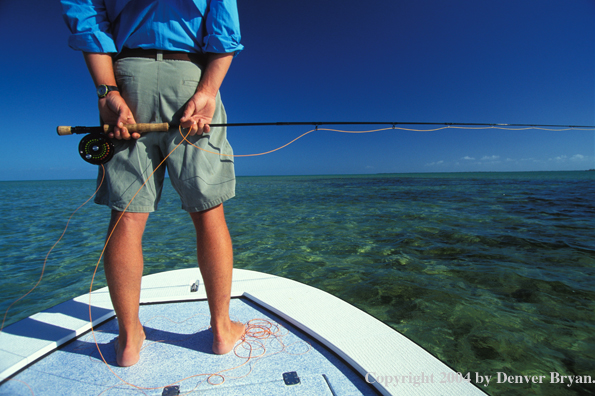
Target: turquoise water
<point x="490" y="272"/>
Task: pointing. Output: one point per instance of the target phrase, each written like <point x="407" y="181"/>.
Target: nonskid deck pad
<point x="178" y="351"/>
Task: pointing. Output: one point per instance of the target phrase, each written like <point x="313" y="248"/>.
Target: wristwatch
<point x="103" y="90"/>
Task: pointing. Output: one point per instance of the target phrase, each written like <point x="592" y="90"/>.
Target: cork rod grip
<point x="141" y="128"/>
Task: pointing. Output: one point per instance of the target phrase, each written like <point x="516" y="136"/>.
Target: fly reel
<point x="96" y="148"/>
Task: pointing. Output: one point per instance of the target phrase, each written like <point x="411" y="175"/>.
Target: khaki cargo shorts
<point x="157" y="91"/>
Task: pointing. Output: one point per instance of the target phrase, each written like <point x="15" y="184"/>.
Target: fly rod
<point x="162" y="127"/>
<point x="97" y="148"/>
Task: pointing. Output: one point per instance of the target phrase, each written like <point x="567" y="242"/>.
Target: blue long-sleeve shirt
<point x="106" y="26"/>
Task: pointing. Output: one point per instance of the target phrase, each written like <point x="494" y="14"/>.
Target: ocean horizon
<point x="350" y="174"/>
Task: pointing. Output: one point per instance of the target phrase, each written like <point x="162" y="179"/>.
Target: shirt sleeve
<point x="89" y="24"/>
<point x="222" y="28"/>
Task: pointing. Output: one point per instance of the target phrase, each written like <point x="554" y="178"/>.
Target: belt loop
<point x="159" y="56"/>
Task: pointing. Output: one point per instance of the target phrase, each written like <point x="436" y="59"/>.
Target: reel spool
<point x="96" y="148"/>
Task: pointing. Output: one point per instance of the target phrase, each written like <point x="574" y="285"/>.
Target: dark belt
<point x="167" y="55"/>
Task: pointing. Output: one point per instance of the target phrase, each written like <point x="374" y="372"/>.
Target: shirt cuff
<point x="98" y="42"/>
<point x="222" y="44"/>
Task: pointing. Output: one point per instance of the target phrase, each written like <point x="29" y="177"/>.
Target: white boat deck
<point x="374" y="350"/>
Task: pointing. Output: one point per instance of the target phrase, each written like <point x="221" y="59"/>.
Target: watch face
<point x="102" y="90"/>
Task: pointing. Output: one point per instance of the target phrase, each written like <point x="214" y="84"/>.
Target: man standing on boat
<point x="162" y="61"/>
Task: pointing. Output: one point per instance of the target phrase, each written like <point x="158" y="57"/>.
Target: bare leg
<point x="123" y="263"/>
<point x="215" y="259"/>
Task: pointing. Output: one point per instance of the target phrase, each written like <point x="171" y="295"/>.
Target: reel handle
<point x="140" y="128"/>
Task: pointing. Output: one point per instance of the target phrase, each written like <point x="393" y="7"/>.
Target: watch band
<point x="103" y="90"/>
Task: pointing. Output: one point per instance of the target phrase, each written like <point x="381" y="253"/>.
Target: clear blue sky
<point x="505" y="61"/>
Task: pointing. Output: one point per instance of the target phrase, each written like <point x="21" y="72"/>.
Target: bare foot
<point x="128" y="353"/>
<point x="225" y="340"/>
